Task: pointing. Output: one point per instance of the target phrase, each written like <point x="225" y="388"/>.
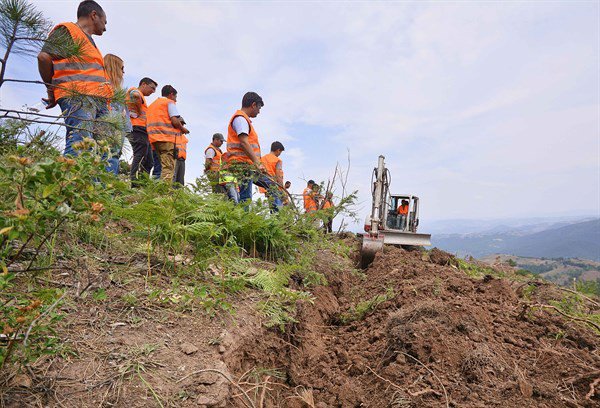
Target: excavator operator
<point x="402" y="215"/>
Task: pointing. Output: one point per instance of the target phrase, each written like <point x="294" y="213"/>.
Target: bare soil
<point x="444" y="339"/>
<point x="423" y="334"/>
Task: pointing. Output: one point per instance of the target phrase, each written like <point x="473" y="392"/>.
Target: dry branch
<point x="579" y="319"/>
<point x="432" y="373"/>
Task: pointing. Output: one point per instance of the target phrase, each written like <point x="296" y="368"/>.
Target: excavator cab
<point x="385" y="225"/>
<point x="402" y="222"/>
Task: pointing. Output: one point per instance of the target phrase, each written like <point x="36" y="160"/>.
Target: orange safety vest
<point x="310" y="204"/>
<point x="141" y="119"/>
<point x="215" y="164"/>
<point x="270" y="161"/>
<point x="181" y="146"/>
<point x="84" y="74"/>
<point x="234" y="147"/>
<point x="403" y="210"/>
<point x="159" y="126"/>
<point x="327" y="204"/>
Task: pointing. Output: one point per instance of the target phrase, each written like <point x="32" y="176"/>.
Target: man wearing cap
<point x="212" y="161"/>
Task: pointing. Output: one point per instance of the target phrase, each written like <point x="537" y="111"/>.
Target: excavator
<point x="385" y="225"/>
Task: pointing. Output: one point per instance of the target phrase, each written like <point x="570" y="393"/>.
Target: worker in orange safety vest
<point x="142" y="160"/>
<point x="165" y="126"/>
<point x="328" y="206"/>
<point x="78" y="83"/>
<point x="402" y="215"/>
<point x="213" y="160"/>
<point x="309" y="195"/>
<point x="244" y="148"/>
<point x="274" y="168"/>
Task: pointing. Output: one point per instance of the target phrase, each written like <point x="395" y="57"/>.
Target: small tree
<point x="23" y="31"/>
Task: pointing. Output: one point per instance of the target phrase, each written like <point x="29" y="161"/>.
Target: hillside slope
<point x="580" y="240"/>
<point x="417" y="329"/>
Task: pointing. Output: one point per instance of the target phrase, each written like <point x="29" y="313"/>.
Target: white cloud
<point x="469" y="102"/>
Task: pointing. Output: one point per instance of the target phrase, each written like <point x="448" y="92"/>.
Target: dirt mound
<point x="414" y="330"/>
<point x="418" y="332"/>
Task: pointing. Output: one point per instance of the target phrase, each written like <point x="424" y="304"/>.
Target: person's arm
<point x="249" y="151"/>
<point x="279" y="173"/>
<point x="53" y="49"/>
<point x="46" y="69"/>
<point x="176" y="122"/>
<point x="135" y="103"/>
<point x="210" y="153"/>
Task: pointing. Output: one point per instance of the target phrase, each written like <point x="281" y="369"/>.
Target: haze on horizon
<point x="483" y="110"/>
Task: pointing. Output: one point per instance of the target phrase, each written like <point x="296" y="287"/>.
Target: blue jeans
<point x="231" y="192"/>
<point x="78" y="113"/>
<point x="262" y="181"/>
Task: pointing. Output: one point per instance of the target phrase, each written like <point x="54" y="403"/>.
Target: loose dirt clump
<point x="439" y="338"/>
<point x="413" y="330"/>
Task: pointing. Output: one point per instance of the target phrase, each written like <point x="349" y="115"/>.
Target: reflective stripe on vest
<point x="181" y="146"/>
<point x="81" y="75"/>
<point x="141" y="119"/>
<point x="309" y="202"/>
<point x="159" y="126"/>
<point x="234" y="147"/>
<point x="215" y="163"/>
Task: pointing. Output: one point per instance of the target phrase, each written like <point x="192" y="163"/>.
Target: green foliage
<point x="38" y="197"/>
<point x="590" y="287"/>
<point x="475" y="270"/>
<point x="21" y="20"/>
<point x="365" y="308"/>
<point x="524" y="272"/>
<point x="20" y="321"/>
<point x="511" y="262"/>
<point x="575" y="305"/>
<point x="528" y="291"/>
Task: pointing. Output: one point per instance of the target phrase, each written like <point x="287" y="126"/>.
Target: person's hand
<point x="261" y="166"/>
<point x="50" y="101"/>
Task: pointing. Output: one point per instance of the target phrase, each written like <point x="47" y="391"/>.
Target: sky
<point x="482" y="109"/>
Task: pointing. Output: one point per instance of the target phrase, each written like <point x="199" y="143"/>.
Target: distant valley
<point x="543" y="240"/>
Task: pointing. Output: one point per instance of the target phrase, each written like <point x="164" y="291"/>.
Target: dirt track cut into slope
<point x="414" y="330"/>
<point x="430" y="337"/>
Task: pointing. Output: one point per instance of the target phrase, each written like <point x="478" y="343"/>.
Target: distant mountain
<point x="508" y="225"/>
<point x="579" y="240"/>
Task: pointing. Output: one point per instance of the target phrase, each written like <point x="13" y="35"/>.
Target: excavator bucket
<point x="370" y="246"/>
<point x="407" y="238"/>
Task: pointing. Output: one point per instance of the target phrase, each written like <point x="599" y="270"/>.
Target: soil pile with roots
<point x="413" y="330"/>
<point x="416" y="331"/>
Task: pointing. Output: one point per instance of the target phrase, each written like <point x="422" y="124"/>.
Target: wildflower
<point x="97" y="207"/>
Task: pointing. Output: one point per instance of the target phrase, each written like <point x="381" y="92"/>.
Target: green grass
<point x="365" y="308"/>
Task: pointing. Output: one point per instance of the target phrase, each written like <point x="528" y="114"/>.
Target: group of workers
<point x="85" y="85"/>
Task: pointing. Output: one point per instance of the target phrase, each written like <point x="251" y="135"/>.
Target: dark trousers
<point x="142" y="153"/>
<point x="329" y="225"/>
<point x="179" y="176"/>
<point x="157" y="169"/>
